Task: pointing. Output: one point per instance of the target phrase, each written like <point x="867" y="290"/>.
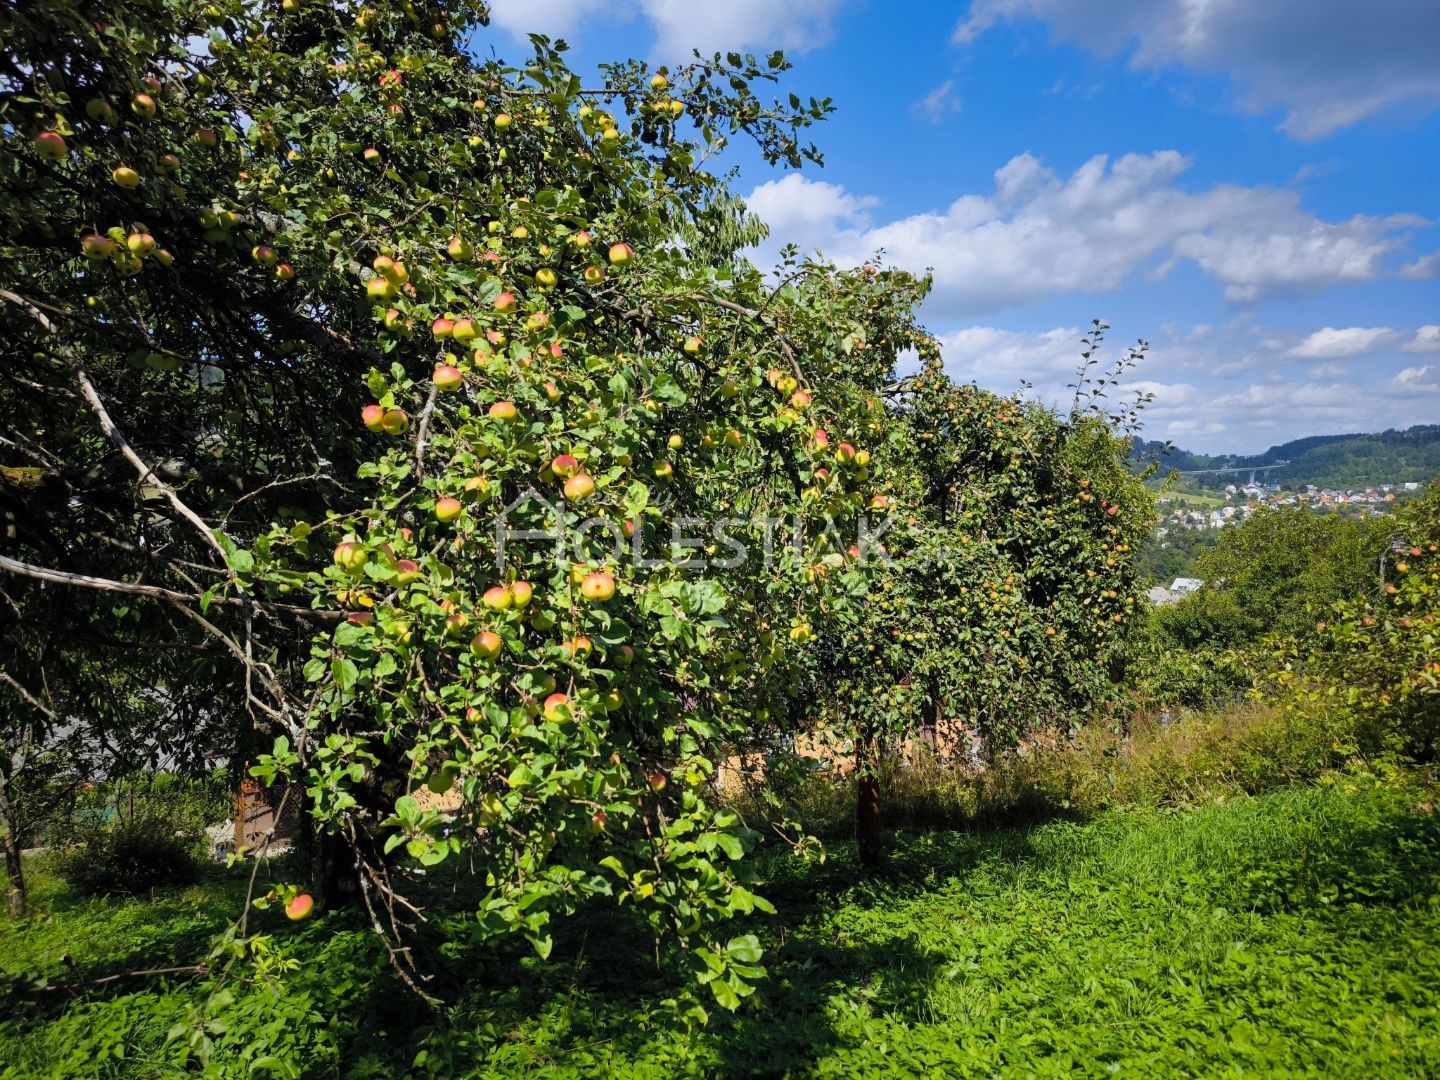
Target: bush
<point x="1371" y="662"/>
<point x="142" y="833"/>
<point x="132" y="855"/>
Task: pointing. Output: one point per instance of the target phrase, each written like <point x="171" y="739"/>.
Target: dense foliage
<point x="305" y="324"/>
<point x="1273" y="572"/>
<point x="409" y="430"/>
<point x="1333" y="615"/>
<point x="999" y="601"/>
<point x="1371" y="666"/>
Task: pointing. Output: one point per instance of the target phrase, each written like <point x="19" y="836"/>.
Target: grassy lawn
<point x="1191" y="500"/>
<point x="1297" y="933"/>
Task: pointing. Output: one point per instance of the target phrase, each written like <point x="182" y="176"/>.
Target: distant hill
<point x="1338" y="461"/>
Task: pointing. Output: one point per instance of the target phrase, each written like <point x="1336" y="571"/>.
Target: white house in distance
<point x="1181" y="586"/>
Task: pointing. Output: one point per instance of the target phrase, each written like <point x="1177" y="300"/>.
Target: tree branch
<point x="156" y="592"/>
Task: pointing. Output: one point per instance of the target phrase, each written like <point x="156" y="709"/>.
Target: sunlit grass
<point x="1294" y="932"/>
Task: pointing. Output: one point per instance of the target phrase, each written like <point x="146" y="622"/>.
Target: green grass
<point x="1191" y="500"/>
<point x="1295" y="933"/>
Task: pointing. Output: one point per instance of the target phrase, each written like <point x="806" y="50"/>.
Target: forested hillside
<point x="1340" y="461"/>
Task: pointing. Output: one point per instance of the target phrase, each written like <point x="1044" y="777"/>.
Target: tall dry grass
<point x="1197" y="757"/>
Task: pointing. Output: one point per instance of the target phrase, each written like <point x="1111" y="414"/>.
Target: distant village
<point x="1247" y="499"/>
<point x="1251" y="497"/>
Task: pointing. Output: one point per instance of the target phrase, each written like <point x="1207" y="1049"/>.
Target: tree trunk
<point x="867" y="802"/>
<point x="16" y="898"/>
<point x="330" y="866"/>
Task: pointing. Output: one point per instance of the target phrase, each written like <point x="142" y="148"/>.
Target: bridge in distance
<point x="1251" y="469"/>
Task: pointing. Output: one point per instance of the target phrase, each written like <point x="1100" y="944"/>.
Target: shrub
<point x="157" y="841"/>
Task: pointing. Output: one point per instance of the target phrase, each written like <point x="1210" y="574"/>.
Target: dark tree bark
<point x="16" y="898"/>
<point x="867" y="802"/>
<point x="330" y="865"/>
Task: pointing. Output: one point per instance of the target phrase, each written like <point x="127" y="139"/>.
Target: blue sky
<point x="1253" y="186"/>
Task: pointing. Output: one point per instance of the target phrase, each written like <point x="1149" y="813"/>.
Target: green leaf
<point x="745" y="949"/>
<point x="730" y="844"/>
<point x="725" y="996"/>
<point x="344" y="672"/>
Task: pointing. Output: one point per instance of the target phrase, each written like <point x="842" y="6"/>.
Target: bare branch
<point x="30" y="699"/>
<point x="87" y="581"/>
<point x="112" y="431"/>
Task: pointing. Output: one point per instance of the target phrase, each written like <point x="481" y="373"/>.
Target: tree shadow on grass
<point x="1388" y="861"/>
<point x="791" y="1024"/>
<point x="602" y="985"/>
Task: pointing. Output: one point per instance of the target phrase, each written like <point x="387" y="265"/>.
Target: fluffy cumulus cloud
<point x="1332" y="344"/>
<point x="1422" y="380"/>
<point x="1003" y="359"/>
<point x="1039" y="234"/>
<point x="1045" y="365"/>
<point x="811" y="213"/>
<point x="1426" y="340"/>
<point x="683" y="25"/>
<point x="554" y="18"/>
<point x="1224" y="389"/>
<point x="1326" y="63"/>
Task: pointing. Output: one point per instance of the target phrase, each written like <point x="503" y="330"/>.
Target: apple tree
<point x="433" y="396"/>
<point x="1002" y="593"/>
<point x="1370" y="668"/>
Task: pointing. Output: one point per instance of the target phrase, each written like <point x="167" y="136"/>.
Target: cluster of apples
<point x="851" y="468"/>
<point x="577" y="485"/>
<point x="269" y="258"/>
<point x="391" y="280"/>
<point x="52" y="146"/>
<point x="512" y="601"/>
<point x="390" y="421"/>
<point x="127" y="250"/>
<point x="662" y="105"/>
<point x="600" y="124"/>
<point x="796" y="399"/>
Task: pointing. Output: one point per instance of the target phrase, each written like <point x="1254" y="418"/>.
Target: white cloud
<point x="1426" y="340"/>
<point x="795" y="25"/>
<point x="1048" y="361"/>
<point x="1038" y="234"/>
<point x="939" y="103"/>
<point x="1327" y="63"/>
<point x="1002" y="359"/>
<point x="1427" y="266"/>
<point x="1424" y="380"/>
<point x="683" y="25"/>
<point x="811" y="213"/>
<point x="1215" y="394"/>
<point x="554" y="18"/>
<point x="1299" y="255"/>
<point x="1332" y="344"/>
